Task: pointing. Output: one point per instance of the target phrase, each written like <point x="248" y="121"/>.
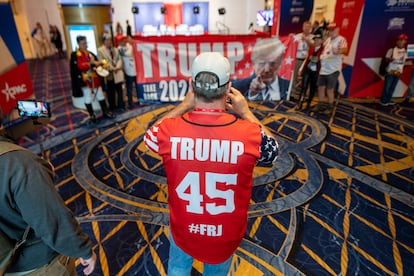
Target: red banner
<point x="15" y="85"/>
<point x="164" y="63"/>
<point x="347" y="15"/>
<point x="276" y="17"/>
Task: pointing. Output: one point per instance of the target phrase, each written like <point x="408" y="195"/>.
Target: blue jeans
<point x="129" y="82"/>
<point x="411" y="85"/>
<point x="180" y="263"/>
<point x="390" y="82"/>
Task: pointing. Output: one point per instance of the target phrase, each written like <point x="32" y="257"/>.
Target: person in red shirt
<point x="209" y="156"/>
<point x="84" y="67"/>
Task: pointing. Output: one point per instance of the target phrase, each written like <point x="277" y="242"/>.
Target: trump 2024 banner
<point x="164" y="63"/>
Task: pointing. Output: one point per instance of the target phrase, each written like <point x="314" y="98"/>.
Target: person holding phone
<point x="209" y="156"/>
<point x="29" y="198"/>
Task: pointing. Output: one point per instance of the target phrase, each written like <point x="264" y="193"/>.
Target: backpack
<point x="384" y="64"/>
<point x="9" y="247"/>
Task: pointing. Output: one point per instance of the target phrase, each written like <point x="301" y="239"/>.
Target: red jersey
<point x="209" y="164"/>
<point x="89" y="77"/>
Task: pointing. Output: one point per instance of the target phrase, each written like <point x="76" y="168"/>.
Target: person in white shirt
<point x="41" y="41"/>
<point x="335" y="47"/>
<point x="396" y="57"/>
<point x="126" y="51"/>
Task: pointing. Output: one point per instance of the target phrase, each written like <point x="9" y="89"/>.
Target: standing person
<point x="40" y="39"/>
<point x="56" y="39"/>
<point x="83" y="65"/>
<point x="110" y="56"/>
<point x="265" y="84"/>
<point x="128" y="29"/>
<point x="305" y="41"/>
<point x="317" y="29"/>
<point x="119" y="30"/>
<point x="128" y="60"/>
<point x="29" y="199"/>
<point x="310" y="71"/>
<point x="396" y="56"/>
<point x="335" y="47"/>
<point x="209" y="156"/>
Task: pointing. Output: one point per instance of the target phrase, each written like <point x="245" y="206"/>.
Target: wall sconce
<point x="163" y="10"/>
<point x="135" y="10"/>
<point x="222" y="11"/>
<point x="196" y="9"/>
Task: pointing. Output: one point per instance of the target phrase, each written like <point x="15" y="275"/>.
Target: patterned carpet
<point x="339" y="200"/>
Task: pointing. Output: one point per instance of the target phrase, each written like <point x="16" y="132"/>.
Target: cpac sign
<point x="15" y="85"/>
<point x="11" y="92"/>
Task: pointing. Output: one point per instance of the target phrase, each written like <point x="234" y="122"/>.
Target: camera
<point x="34" y="109"/>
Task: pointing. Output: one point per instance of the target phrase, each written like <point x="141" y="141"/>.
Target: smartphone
<point x="33" y="109"/>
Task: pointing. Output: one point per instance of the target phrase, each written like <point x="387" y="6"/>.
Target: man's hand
<point x="237" y="103"/>
<point x="189" y="100"/>
<point x="256" y="86"/>
<point x="89" y="264"/>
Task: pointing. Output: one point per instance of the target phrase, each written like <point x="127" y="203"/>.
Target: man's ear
<point x="228" y="87"/>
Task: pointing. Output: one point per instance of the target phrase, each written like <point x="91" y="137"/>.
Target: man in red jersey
<point x="209" y="156"/>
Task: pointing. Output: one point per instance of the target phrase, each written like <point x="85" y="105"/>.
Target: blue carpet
<point x="339" y="200"/>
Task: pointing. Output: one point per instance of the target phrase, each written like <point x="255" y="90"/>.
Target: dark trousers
<point x="309" y="80"/>
<point x="130" y="82"/>
<point x="390" y="82"/>
<point x="115" y="95"/>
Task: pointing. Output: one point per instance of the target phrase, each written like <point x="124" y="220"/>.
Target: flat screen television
<point x="264" y="18"/>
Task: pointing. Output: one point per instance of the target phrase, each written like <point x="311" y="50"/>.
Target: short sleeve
<point x="151" y="138"/>
<point x="269" y="149"/>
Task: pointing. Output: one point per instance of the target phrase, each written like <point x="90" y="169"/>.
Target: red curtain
<point x="173" y="16"/>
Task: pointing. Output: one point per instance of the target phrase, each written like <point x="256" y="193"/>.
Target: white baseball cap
<point x="213" y="63"/>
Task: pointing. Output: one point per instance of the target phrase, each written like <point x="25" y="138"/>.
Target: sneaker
<point x="328" y="110"/>
<point x="109" y="115"/>
<point x="319" y="107"/>
<point x="387" y="104"/>
<point x="92" y="119"/>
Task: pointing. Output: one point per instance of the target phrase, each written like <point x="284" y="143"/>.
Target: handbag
<point x="8" y="250"/>
<point x="9" y="247"/>
<point x="119" y="76"/>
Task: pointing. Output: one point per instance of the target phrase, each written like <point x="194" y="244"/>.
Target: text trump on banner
<point x="164" y="63"/>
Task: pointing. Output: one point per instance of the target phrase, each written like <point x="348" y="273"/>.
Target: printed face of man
<point x="266" y="66"/>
